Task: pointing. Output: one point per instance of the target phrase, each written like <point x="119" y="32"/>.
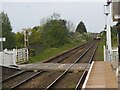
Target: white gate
<point x="11" y="57"/>
<point x="8" y="57"/>
<point x="22" y="55"/>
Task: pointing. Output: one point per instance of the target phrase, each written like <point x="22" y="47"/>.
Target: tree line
<point x="53" y="32"/>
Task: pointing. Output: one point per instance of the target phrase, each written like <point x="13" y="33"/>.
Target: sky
<point x="29" y="14"/>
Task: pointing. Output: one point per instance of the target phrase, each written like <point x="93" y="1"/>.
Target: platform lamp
<point x="1" y="42"/>
<point x="108" y="32"/>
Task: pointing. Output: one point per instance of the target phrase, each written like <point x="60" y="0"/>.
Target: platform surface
<point x="101" y="76"/>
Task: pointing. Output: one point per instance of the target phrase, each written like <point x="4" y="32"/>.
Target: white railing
<point x="8" y="57"/>
<point x="114" y="55"/>
<point x="13" y="57"/>
<point x="22" y="55"/>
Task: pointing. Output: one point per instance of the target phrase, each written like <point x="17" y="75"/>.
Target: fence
<point x="22" y="55"/>
<point x="114" y="55"/>
<point x="11" y="57"/>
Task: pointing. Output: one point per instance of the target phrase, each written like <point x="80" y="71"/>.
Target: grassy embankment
<point x="100" y="51"/>
<point x="48" y="53"/>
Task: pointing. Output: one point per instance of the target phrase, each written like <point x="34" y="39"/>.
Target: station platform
<point x="100" y="75"/>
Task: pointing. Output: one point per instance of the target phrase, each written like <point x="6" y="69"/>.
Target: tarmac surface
<point x="101" y="76"/>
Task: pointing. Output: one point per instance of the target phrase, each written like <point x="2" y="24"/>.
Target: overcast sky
<point x="29" y="14"/>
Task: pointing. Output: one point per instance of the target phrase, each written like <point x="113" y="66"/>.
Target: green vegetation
<point x="100" y="55"/>
<point x="35" y="35"/>
<point x="48" y="53"/>
<point x="55" y="35"/>
<point x="6" y="29"/>
<point x="100" y="50"/>
<point x="19" y="37"/>
<point x="114" y="36"/>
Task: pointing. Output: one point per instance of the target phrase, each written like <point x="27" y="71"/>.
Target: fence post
<point x="1" y="58"/>
<point x="27" y="55"/>
<point x="4" y="56"/>
<point x="104" y="53"/>
<point x="14" y="57"/>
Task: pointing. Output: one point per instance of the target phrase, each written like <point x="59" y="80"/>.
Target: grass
<point x="100" y="50"/>
<point x="48" y="53"/>
<point x="100" y="55"/>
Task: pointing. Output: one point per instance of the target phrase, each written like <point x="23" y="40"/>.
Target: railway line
<point x="68" y="54"/>
<point x="64" y="74"/>
<point x="13" y="72"/>
<point x="53" y="79"/>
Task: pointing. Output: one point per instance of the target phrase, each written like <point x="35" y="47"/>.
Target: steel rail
<point x="67" y="52"/>
<point x="85" y="72"/>
<point x="15" y="86"/>
<point x="80" y="46"/>
<point x="14" y="75"/>
<point x="50" y="85"/>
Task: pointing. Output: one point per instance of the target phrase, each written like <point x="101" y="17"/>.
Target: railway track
<point x="18" y="80"/>
<point x="65" y="80"/>
<point x="75" y="56"/>
<point x="13" y="72"/>
<point x="39" y="74"/>
<point x="61" y="77"/>
<point x="56" y="59"/>
<point x="82" y="78"/>
<point x="63" y="56"/>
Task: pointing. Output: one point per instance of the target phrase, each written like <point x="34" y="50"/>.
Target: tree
<point x="81" y="28"/>
<point x="7" y="32"/>
<point x="19" y="37"/>
<point x="35" y="36"/>
<point x="55" y="33"/>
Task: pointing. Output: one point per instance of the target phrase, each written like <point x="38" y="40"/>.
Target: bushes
<point x="55" y="33"/>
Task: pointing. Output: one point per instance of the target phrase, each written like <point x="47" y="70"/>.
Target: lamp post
<point x="108" y="31"/>
<point x="1" y="40"/>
